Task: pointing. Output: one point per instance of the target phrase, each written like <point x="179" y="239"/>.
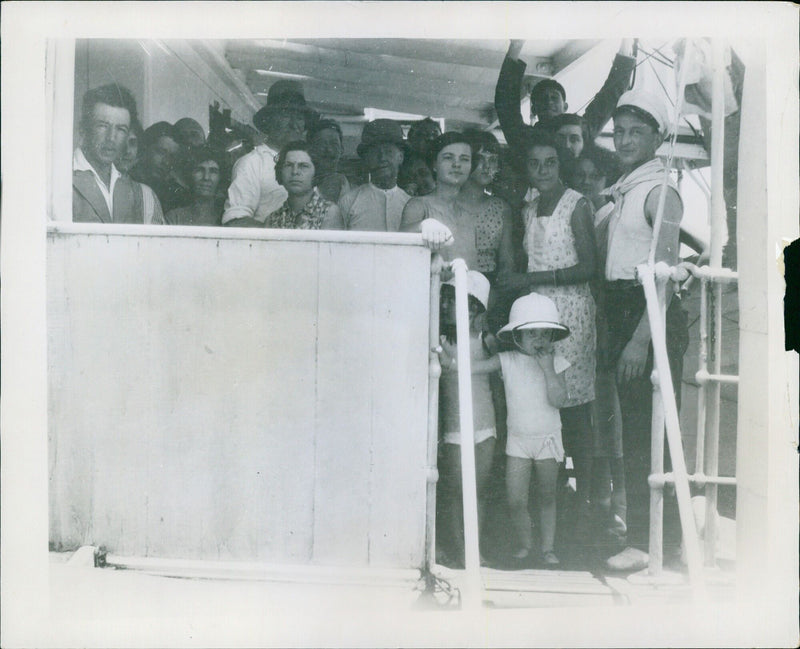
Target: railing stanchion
<point x="472" y="592"/>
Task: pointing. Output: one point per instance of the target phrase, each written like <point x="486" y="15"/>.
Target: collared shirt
<point x="371" y="208"/>
<point x="254" y="191"/>
<point x="311" y="217"/>
<point x="80" y="163"/>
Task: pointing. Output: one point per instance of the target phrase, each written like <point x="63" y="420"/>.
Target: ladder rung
<point x="704" y="377"/>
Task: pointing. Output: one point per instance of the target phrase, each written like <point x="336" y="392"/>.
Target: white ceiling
<point x="451" y="79"/>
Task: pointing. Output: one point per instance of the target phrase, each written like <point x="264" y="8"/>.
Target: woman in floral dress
<point x="560" y="245"/>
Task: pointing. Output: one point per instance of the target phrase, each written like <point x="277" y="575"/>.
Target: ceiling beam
<point x="390" y="100"/>
<point x="411" y="87"/>
<point x="259" y="55"/>
<point x="571" y="54"/>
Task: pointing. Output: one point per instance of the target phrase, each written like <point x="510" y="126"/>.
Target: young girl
<point x="535" y="390"/>
<point x="482" y="364"/>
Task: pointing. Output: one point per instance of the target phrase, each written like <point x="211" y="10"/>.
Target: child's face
<point x="533" y="341"/>
<point x="447" y="308"/>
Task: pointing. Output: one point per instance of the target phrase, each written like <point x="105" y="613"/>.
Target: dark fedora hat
<point x="379" y="131"/>
<point x="284" y="94"/>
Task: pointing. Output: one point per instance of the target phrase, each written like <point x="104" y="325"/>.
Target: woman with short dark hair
<point x="305" y="208"/>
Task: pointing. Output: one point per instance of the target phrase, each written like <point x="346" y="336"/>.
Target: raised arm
<point x="600" y="109"/>
<point x="507" y="95"/>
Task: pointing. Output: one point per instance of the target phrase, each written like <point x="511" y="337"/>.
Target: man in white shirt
<point x="254" y="192"/>
<point x="99" y="192"/>
<point x="377" y="205"/>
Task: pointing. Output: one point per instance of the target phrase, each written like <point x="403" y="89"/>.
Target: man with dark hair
<point x="640" y="125"/>
<point x="569" y="131"/>
<point x="549" y="99"/>
<point x="254" y="192"/>
<point x="99" y="192"/>
<point x="421" y="135"/>
<point x="159" y="156"/>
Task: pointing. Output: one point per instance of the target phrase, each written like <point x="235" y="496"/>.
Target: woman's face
<point x="533" y="341"/>
<point x="453" y="164"/>
<point x="421" y="179"/>
<point x="542" y="166"/>
<point x="587" y="179"/>
<point x="205" y="179"/>
<point x="486" y="168"/>
<point x="297" y="173"/>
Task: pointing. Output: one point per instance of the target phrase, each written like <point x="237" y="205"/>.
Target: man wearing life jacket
<point x="640" y="124"/>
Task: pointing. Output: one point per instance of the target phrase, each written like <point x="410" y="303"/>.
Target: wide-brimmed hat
<point x="477" y="287"/>
<point x="647" y="106"/>
<point x="380" y="131"/>
<point x="284" y="94"/>
<point x="533" y="311"/>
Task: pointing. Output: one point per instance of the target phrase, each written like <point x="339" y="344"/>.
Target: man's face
<point x="547" y="104"/>
<point x="287" y="125"/>
<point x="635" y="141"/>
<point x="570" y="137"/>
<point x="205" y="179"/>
<point x="423" y="135"/>
<point x="106" y="134"/>
<point x="161" y="157"/>
<point x="383" y="161"/>
<point x="191" y="134"/>
<point x="327" y="147"/>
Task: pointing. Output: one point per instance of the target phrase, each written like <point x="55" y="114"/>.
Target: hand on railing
<point x="435" y="234"/>
<point x="448" y="355"/>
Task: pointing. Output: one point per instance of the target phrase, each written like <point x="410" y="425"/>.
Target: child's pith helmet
<point x="533" y="311"/>
<point x="477" y="287"/>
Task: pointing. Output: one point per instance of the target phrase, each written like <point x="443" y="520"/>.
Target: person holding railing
<point x="450" y="546"/>
<point x="640" y="124"/>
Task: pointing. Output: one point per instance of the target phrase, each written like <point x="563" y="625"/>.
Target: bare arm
<point x="332" y="220"/>
<point x="634" y="357"/>
<point x="556" y="384"/>
<point x="583" y="271"/>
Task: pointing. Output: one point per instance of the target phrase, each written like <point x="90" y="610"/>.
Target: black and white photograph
<point x="399" y="324"/>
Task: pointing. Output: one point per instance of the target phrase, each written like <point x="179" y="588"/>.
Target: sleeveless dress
<point x="550" y="245"/>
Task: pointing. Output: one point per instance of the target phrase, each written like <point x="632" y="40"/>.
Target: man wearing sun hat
<point x="254" y="192"/>
<point x="378" y="204"/>
<point x="640" y="125"/>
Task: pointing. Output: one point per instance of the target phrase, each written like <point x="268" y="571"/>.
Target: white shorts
<point x="479" y="436"/>
<point x="540" y="447"/>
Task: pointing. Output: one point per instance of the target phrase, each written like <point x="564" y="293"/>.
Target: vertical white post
<point x="472" y="591"/>
<point x="60" y="77"/>
<point x="646" y="275"/>
<point x="434" y="372"/>
<point x="718" y="216"/>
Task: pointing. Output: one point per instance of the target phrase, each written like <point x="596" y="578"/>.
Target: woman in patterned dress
<point x="560" y="244"/>
<point x="305" y="208"/>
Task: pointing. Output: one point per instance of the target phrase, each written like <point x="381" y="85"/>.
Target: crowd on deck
<point x="552" y="228"/>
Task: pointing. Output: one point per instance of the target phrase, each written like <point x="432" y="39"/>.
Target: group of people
<point x="551" y="226"/>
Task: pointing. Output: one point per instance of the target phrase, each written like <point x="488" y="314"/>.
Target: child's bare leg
<point x="518" y="477"/>
<point x="484" y="455"/>
<point x="546" y="485"/>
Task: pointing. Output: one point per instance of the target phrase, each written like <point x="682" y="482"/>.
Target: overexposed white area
<point x="113" y="615"/>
